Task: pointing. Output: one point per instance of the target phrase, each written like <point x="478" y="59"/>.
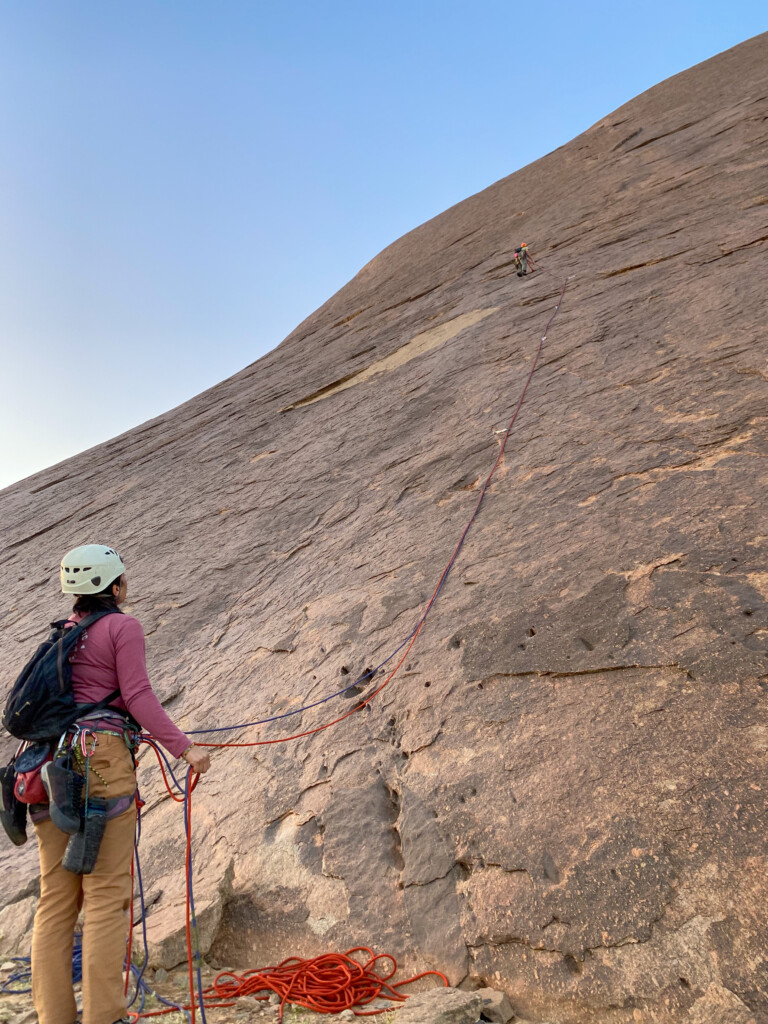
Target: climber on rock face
<point x="521" y="259"/>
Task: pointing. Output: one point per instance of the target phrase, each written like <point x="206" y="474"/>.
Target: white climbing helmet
<point x="89" y="569"/>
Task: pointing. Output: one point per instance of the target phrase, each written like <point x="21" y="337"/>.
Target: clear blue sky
<point x="183" y="181"/>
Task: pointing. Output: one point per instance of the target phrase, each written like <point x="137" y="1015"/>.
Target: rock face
<point x="562" y="792"/>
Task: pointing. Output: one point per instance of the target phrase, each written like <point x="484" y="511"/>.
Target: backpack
<point x="41" y="705"/>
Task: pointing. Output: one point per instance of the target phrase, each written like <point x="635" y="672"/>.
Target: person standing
<point x="109" y="656"/>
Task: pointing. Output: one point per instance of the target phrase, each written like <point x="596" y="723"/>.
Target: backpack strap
<point x="95" y="616"/>
<point x="81" y="626"/>
<point x="65" y="626"/>
<point x="86" y="709"/>
<point x="103" y="705"/>
<point x="74" y="631"/>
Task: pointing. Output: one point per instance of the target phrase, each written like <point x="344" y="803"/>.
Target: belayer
<point x="84" y="812"/>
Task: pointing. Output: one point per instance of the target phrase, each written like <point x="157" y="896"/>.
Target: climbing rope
<point x="23" y="975"/>
<point x="332" y="982"/>
<point x="329" y="983"/>
<point x="411" y="638"/>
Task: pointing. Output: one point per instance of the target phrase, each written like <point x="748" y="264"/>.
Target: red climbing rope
<point x="484" y="488"/>
<point x="329" y="983"/>
<point x="334" y="981"/>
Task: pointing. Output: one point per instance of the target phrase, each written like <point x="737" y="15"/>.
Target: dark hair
<point x="89" y="603"/>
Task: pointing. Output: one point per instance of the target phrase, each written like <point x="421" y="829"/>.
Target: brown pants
<point x="105" y="896"/>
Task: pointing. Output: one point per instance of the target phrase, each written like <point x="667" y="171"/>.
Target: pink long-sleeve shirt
<point x="111" y="654"/>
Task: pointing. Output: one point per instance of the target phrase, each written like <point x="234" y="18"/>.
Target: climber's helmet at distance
<point x="89" y="569"/>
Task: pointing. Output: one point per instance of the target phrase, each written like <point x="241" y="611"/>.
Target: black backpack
<point x="41" y="705"/>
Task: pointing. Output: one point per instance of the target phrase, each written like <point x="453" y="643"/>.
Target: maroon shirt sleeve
<point x="136" y="689"/>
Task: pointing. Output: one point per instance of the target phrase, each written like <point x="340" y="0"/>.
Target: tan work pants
<point x="105" y="896"/>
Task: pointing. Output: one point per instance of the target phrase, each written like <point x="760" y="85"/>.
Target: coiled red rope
<point x="328" y="983"/>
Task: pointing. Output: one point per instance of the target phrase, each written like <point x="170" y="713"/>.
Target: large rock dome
<point x="562" y="793"/>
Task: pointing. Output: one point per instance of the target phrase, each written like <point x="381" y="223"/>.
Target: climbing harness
<point x="67" y="799"/>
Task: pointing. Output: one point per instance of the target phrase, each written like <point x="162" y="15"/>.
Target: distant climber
<point x="522" y="259"/>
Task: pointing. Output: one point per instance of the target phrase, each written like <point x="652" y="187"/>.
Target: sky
<point x="182" y="182"/>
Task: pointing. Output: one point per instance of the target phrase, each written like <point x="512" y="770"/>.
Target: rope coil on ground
<point x="329" y="983"/>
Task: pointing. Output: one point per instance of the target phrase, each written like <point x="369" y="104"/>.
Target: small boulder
<point x="496" y="1006"/>
<point x="441" y="1006"/>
